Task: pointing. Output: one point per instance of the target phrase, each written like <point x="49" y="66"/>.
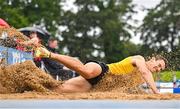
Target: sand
<point x="25" y="76"/>
<point x="91" y="95"/>
<point x="26" y="81"/>
<point x="120" y="83"/>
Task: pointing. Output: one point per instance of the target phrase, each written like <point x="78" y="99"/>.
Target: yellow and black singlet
<point x="123" y="67"/>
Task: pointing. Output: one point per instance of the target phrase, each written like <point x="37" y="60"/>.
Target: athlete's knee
<point x="85" y="72"/>
<point x="89" y="70"/>
<point x="92" y="70"/>
<point x="90" y="74"/>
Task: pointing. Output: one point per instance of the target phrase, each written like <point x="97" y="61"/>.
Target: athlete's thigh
<point x="93" y="68"/>
<point x="77" y="84"/>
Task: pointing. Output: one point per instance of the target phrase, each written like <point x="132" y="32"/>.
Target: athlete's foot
<point x="42" y="52"/>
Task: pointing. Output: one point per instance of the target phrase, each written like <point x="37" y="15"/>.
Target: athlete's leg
<point x="88" y="71"/>
<point x="77" y="84"/>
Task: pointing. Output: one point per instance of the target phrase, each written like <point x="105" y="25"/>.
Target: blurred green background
<point x="101" y="29"/>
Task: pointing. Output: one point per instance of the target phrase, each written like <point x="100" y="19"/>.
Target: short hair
<point x="51" y="39"/>
<point x="159" y="57"/>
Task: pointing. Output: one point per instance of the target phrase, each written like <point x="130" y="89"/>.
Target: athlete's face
<point x="156" y="65"/>
<point x="33" y="34"/>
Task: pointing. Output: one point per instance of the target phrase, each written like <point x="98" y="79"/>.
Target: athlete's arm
<point x="146" y="74"/>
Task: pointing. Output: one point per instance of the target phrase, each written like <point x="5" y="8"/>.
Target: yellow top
<point x="123" y="67"/>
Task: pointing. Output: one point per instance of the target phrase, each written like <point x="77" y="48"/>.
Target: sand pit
<point x="22" y="77"/>
<point x="90" y="96"/>
<point x="26" y="76"/>
<point x="120" y="83"/>
<point x="26" y="81"/>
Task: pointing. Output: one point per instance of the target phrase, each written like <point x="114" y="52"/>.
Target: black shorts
<point x="105" y="69"/>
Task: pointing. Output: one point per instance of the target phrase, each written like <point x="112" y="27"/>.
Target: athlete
<point x="92" y="72"/>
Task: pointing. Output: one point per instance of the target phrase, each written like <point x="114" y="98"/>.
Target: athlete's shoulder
<point x="138" y="60"/>
<point x="138" y="57"/>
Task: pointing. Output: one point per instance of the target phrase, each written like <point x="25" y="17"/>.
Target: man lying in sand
<point x="92" y="71"/>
